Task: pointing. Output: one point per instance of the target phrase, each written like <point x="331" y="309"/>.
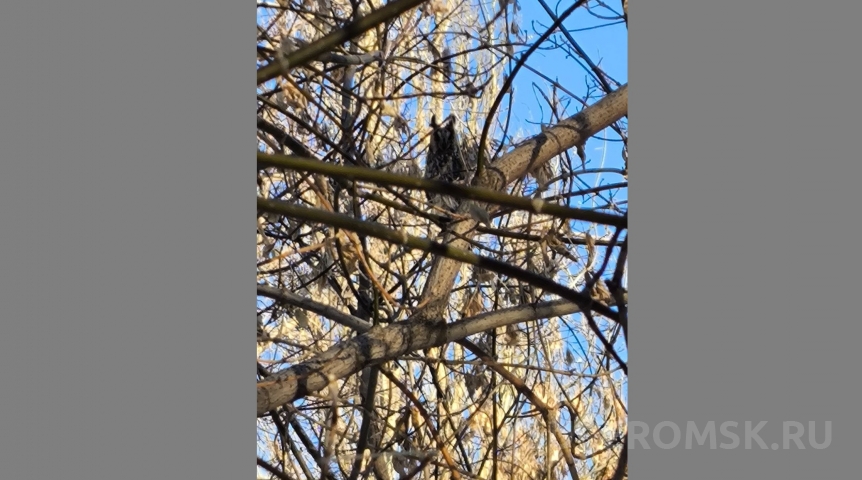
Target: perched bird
<point x="449" y="159"/>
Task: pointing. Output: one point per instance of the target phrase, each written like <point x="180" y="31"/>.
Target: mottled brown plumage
<point x="450" y="159"/>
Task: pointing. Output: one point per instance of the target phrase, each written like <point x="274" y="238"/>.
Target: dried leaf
<point x="301" y="318"/>
<point x="512" y="334"/>
<point x="484" y="275"/>
<point x="438" y="8"/>
<point x="388" y="109"/>
<point x="582" y="154"/>
<point x="479" y="214"/>
<point x="447" y="64"/>
<point x="474" y="305"/>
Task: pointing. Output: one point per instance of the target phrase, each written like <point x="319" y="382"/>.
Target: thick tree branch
<point x="382" y="344"/>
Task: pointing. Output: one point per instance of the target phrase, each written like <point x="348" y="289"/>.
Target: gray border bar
<point x="127" y="235"/>
<point x="743" y="184"/>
